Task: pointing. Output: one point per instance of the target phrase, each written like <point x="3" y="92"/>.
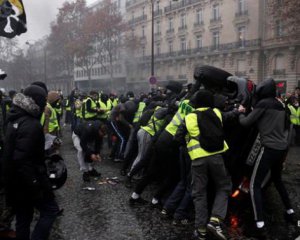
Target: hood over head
<point x="266" y="89"/>
<point x="25" y="103"/>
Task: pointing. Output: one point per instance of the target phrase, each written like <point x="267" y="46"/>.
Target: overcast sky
<point x="40" y="13"/>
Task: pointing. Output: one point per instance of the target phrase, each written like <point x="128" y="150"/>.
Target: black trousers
<point x="269" y="161"/>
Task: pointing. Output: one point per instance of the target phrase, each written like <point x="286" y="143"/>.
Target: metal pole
<point x="45" y="66"/>
<point x="152" y="38"/>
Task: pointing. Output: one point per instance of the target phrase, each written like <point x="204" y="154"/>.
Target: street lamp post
<point x="152" y="36"/>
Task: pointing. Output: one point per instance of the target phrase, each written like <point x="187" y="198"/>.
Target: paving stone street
<point x="105" y="213"/>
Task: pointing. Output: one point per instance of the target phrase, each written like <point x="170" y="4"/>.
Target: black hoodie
<point x="269" y="115"/>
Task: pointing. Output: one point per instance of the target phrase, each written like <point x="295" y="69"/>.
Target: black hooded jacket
<point x="269" y="114"/>
<point x="24" y="171"/>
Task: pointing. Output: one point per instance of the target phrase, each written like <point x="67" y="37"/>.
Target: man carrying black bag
<point x="25" y="177"/>
<point x="205" y="145"/>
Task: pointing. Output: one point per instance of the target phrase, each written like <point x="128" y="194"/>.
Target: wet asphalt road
<point x="105" y="214"/>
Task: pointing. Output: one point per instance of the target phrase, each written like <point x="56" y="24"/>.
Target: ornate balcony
<point x="279" y="72"/>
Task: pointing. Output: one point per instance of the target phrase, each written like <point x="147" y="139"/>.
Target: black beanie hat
<point x="202" y="98"/>
<point x="40" y="84"/>
<point x="38" y="94"/>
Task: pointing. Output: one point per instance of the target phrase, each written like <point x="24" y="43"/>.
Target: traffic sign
<point x="152" y="80"/>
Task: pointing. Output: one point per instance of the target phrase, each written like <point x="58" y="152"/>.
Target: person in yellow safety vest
<point x="59" y="108"/>
<point x="113" y="99"/>
<point x="105" y="107"/>
<point x="139" y="112"/>
<point x="294" y="108"/>
<point x="68" y="109"/>
<point x="49" y="118"/>
<point x="145" y="137"/>
<point x="90" y="106"/>
<point x="205" y="152"/>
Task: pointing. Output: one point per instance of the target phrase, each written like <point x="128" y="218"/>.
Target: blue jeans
<point x="24" y="214"/>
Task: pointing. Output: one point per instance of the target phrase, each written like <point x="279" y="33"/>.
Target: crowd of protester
<point x="173" y="136"/>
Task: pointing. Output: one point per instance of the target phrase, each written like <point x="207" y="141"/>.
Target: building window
<point x="199" y="42"/>
<point x="170" y="46"/>
<point x="143" y="11"/>
<point x="279" y="28"/>
<point x="158" y="27"/>
<point x="158" y="49"/>
<point x="199" y="16"/>
<point x="241" y="36"/>
<point x="143" y="31"/>
<point x="170" y="23"/>
<point x="241" y="6"/>
<point x="216" y="11"/>
<point x="182" y="20"/>
<point x="132" y="15"/>
<point x="216" y="40"/>
<point x="182" y="44"/>
<point x="143" y="51"/>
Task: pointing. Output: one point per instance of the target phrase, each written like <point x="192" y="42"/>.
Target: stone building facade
<point x="234" y="35"/>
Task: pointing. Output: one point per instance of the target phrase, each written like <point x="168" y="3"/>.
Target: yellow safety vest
<point x="68" y="106"/>
<point x="78" y="108"/>
<point x="114" y="102"/>
<point x="139" y="112"/>
<point x="89" y="115"/>
<point x="193" y="146"/>
<point x="53" y="122"/>
<point x="154" y="124"/>
<point x="295" y="115"/>
<point x="183" y="109"/>
<point x="106" y="107"/>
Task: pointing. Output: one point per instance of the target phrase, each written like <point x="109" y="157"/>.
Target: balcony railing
<point x="182" y="76"/>
<point x="279" y="72"/>
<point x="182" y="28"/>
<point x="241" y="13"/>
<point x="138" y="19"/>
<point x="169" y="31"/>
<point x="132" y="2"/>
<point x="228" y="47"/>
<point x="185" y="3"/>
<point x="169" y="77"/>
<point x="215" y="20"/>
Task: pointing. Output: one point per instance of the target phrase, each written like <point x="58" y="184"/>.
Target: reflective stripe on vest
<point x="295" y="115"/>
<point x="194" y="148"/>
<point x="139" y="112"/>
<point x="183" y="110"/>
<point x="89" y="115"/>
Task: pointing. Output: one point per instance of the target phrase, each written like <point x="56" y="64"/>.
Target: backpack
<point x="211" y="136"/>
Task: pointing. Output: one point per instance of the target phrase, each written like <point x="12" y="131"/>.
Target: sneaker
<point x="178" y="222"/>
<point x="138" y="201"/>
<point x="215" y="228"/>
<point x="118" y="160"/>
<point x="86" y="177"/>
<point x="165" y="213"/>
<point x="94" y="173"/>
<point x="199" y="235"/>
